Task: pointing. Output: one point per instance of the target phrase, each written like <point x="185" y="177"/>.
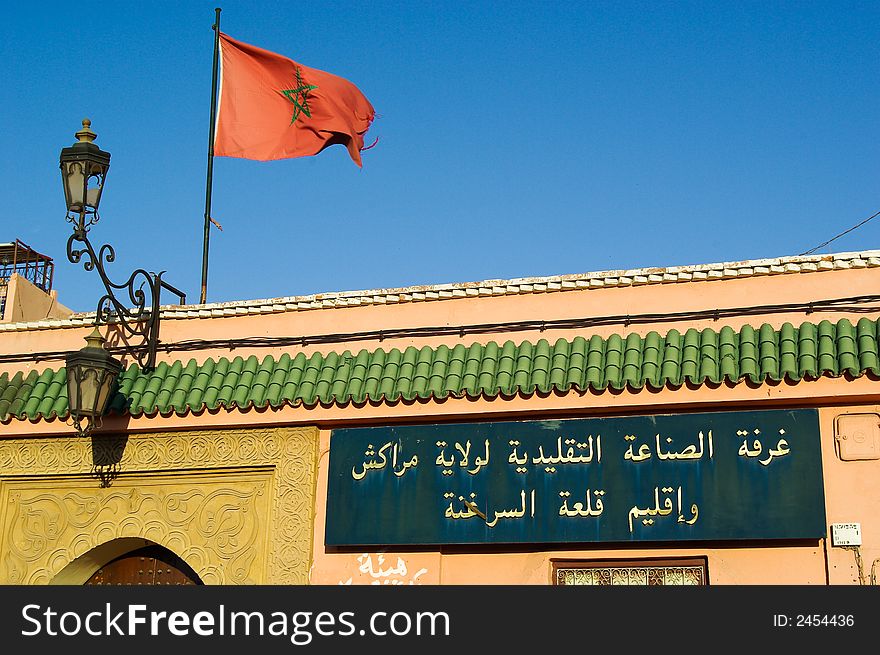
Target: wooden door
<point x="151" y="565"/>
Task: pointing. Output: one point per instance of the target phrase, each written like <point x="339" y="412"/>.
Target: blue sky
<point x="515" y="139"/>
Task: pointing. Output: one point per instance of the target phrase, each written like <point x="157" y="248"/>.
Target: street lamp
<point x="91" y="376"/>
<point x="91" y="371"/>
<point x="84" y="169"/>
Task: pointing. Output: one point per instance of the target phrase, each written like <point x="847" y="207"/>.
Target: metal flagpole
<point x="210" y="180"/>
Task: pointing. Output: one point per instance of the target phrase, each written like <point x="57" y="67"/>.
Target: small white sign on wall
<point x="846" y="534"/>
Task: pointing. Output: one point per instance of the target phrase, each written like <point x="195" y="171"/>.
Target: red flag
<point x="271" y="107"/>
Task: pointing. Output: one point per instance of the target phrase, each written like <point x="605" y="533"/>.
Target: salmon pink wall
<point x="852" y="493"/>
<point x="852" y="489"/>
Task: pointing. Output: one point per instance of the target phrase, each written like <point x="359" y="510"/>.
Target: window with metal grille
<point x="683" y="571"/>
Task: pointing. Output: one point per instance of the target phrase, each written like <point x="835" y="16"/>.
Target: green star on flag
<point x="299" y="97"/>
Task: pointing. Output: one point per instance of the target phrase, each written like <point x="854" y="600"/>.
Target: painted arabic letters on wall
<point x="720" y="475"/>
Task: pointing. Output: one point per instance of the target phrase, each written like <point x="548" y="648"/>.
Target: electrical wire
<point x="835" y="238"/>
<point x="854" y="304"/>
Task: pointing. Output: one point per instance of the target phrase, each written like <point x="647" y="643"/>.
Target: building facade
<point x="707" y="424"/>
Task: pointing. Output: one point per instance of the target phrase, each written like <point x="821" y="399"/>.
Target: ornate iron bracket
<point x="139" y="324"/>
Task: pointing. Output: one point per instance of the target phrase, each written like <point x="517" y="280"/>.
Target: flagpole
<point x="210" y="181"/>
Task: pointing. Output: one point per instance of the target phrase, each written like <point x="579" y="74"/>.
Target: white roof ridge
<point x="514" y="286"/>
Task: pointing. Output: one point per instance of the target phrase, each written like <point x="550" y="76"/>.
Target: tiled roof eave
<point x="694" y="358"/>
<point x="400" y="399"/>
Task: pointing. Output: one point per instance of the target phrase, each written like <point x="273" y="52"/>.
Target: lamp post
<point x="84" y="168"/>
<point x="91" y="377"/>
<point x="91" y="372"/>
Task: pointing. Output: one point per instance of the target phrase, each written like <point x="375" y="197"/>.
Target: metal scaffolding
<point x="18" y="258"/>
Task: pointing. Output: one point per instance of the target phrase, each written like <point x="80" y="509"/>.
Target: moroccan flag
<point x="273" y="108"/>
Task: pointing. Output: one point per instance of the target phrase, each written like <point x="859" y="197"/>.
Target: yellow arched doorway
<point x="150" y="565"/>
<point x="128" y="561"/>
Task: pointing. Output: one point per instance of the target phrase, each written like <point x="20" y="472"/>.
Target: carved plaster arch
<point x="236" y="505"/>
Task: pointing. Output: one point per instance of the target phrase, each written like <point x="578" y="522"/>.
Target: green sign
<point x="686" y="477"/>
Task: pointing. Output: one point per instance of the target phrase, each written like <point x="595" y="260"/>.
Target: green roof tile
<point x="8" y="389"/>
<point x="748" y="354"/>
<point x="697" y="357"/>
<point x="768" y="350"/>
<point x="671" y="367"/>
<point x="708" y="356"/>
<point x="613" y="362"/>
<point x="847" y="356"/>
<point x="788" y="367"/>
<point x="54" y="399"/>
<point x="867" y="344"/>
<point x="690" y="357"/>
<point x="728" y="353"/>
<point x="808" y="365"/>
<point x="826" y="347"/>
